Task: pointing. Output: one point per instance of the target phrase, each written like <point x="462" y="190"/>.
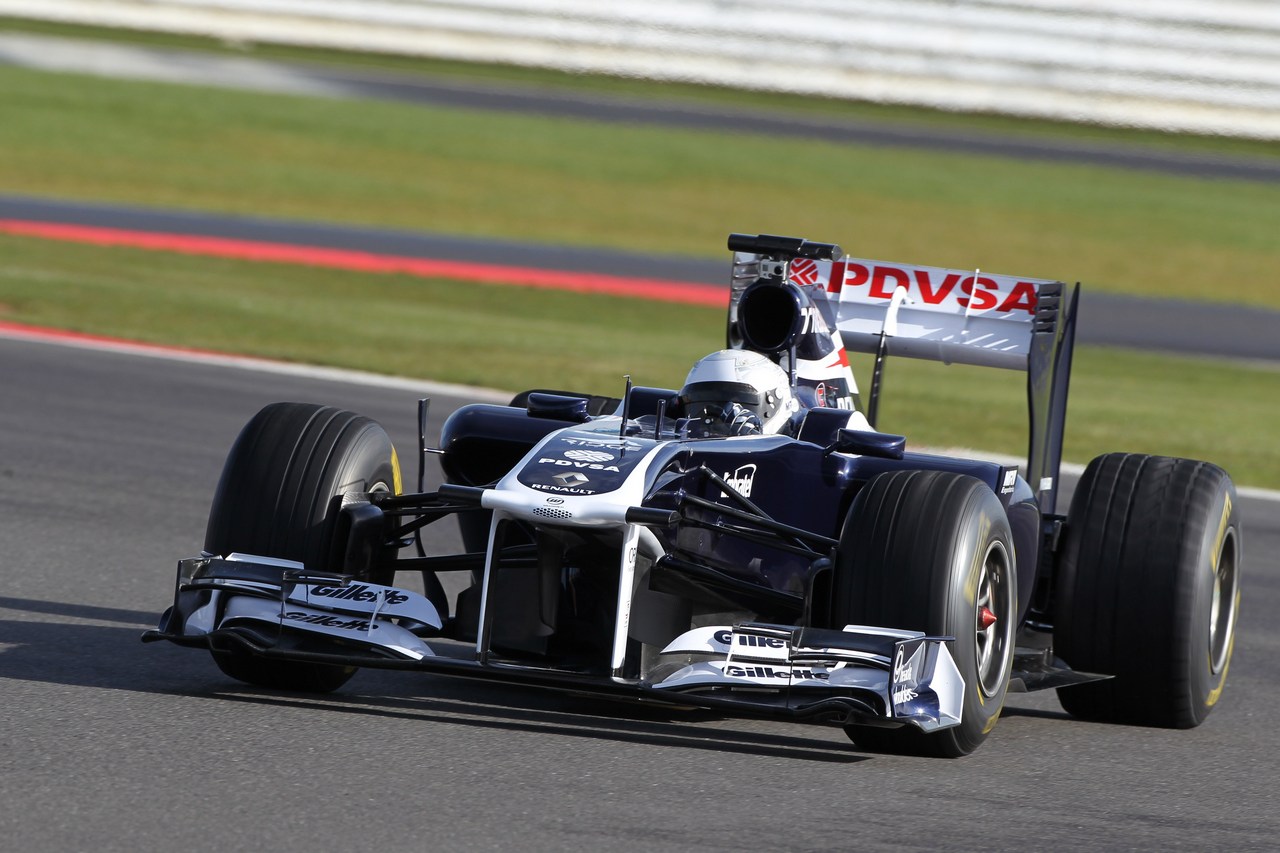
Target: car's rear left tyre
<point x="278" y="497"/>
<point x="932" y="551"/>
<point x="1148" y="589"/>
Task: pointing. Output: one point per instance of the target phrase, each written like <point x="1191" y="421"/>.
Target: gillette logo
<point x="775" y="672"/>
<point x="326" y="621"/>
<point x="359" y="592"/>
<point x="751" y="640"/>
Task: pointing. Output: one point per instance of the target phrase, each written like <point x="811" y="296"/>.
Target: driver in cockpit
<point x="741" y="392"/>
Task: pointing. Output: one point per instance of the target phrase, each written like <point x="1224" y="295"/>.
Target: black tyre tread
<point x="1136" y="524"/>
<point x="931" y="504"/>
<point x="898" y="495"/>
<point x="283" y="455"/>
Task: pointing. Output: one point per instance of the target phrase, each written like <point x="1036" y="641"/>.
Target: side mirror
<point x="558" y="408"/>
<point x="863" y="443"/>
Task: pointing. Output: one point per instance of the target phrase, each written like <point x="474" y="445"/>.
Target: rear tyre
<point x="278" y="496"/>
<point x="1148" y="589"/>
<point x="932" y="551"/>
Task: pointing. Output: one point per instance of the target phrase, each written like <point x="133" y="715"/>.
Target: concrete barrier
<point x="1181" y="65"/>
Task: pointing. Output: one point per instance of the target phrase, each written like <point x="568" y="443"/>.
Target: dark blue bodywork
<point x="799" y="482"/>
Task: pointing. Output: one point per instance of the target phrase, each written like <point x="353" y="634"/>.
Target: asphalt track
<point x="107" y="465"/>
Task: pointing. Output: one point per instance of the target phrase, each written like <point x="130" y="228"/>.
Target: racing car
<point x="747" y="542"/>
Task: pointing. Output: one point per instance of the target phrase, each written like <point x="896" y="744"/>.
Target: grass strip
<point x="643" y="188"/>
<point x="452" y="331"/>
<point x="514" y="338"/>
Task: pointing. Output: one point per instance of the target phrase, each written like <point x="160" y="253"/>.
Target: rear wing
<point x="946" y="315"/>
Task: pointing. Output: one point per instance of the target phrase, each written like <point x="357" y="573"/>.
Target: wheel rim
<point x="993" y="636"/>
<point x="1222" y="609"/>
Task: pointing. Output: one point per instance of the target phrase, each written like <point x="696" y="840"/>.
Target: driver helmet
<point x="732" y="391"/>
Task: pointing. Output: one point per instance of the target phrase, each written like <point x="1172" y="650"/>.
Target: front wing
<point x="857" y="675"/>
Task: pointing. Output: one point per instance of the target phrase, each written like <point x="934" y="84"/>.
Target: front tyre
<point x="1148" y="589"/>
<point x="932" y="551"/>
<point x="278" y="497"/>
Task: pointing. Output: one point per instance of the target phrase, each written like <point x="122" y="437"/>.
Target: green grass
<point x="486" y="335"/>
<point x="515" y="338"/>
<point x="1120" y="400"/>
<point x="596" y="184"/>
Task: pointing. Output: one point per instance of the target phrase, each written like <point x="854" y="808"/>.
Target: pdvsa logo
<point x="803" y="271"/>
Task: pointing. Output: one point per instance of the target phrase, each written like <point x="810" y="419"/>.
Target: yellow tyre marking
<point x="1222" y="534"/>
<point x="397" y="484"/>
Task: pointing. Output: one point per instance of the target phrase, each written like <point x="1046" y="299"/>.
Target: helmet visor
<point x="708" y="399"/>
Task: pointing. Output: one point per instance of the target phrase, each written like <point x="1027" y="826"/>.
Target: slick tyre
<point x="932" y="551"/>
<point x="278" y="496"/>
<point x="1148" y="589"/>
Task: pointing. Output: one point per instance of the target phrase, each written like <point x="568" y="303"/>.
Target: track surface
<point x="107" y="465"/>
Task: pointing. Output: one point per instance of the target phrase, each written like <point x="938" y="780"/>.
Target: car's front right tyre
<point x="932" y="551"/>
<point x="278" y="497"/>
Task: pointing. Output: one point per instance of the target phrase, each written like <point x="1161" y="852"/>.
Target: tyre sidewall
<point x="1220" y="539"/>
<point x="973" y="541"/>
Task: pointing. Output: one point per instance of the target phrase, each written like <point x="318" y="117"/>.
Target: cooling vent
<point x="549" y="512"/>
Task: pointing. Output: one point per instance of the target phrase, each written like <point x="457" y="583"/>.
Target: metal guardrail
<point x="1178" y="64"/>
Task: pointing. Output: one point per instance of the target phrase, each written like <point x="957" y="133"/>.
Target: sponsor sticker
<point x="564" y="490"/>
<point x="610" y="443"/>
<point x="588" y="455"/>
<point x="954" y="291"/>
<point x="359" y="592"/>
<point x="741" y="479"/>
<point x="775" y="673"/>
<point x="745" y="644"/>
<point x="804" y="271"/>
<point x="326" y="620"/>
<point x="570" y="463"/>
<point x="907" y="672"/>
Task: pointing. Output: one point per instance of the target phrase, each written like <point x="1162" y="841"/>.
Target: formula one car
<point x="747" y="542"/>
